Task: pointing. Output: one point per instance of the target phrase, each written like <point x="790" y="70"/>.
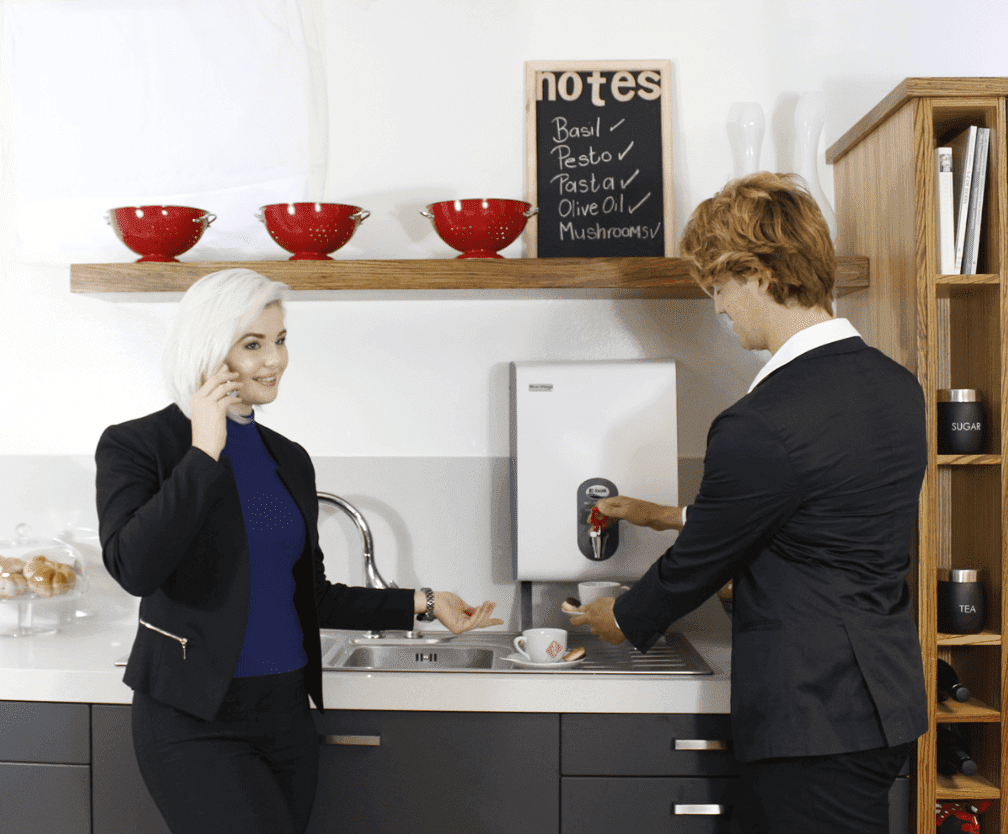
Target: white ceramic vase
<point x="809" y="116"/>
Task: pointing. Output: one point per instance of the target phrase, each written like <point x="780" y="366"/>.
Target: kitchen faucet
<point x="372" y="578"/>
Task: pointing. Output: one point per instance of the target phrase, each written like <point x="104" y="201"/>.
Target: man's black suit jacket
<point x="172" y="533"/>
<point x="809" y="502"/>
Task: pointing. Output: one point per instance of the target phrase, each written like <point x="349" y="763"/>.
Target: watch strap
<point x="428" y="614"/>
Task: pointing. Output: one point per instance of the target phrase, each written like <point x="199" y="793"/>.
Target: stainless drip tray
<point x="673" y="655"/>
<point x="476" y="653"/>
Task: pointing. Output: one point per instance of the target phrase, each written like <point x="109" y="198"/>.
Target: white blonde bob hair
<point x="212" y="315"/>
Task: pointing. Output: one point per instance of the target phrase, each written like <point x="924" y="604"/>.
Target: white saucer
<point x="529" y="664"/>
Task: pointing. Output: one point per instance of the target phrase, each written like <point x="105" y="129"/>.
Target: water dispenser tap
<point x="595" y="541"/>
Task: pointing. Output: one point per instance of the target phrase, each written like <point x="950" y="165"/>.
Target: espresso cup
<point x="588" y="592"/>
<point x="542" y="645"/>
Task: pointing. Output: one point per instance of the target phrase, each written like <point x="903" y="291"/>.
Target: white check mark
<point x="616" y="125"/>
<point x="625" y="183"/>
<point x="626" y="151"/>
<point x="640" y="203"/>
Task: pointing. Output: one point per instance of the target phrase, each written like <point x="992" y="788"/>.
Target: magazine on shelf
<point x="963" y="147"/>
<point x="945" y="216"/>
<point x="971" y="250"/>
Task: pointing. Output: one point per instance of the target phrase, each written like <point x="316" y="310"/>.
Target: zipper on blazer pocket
<point x="181" y="640"/>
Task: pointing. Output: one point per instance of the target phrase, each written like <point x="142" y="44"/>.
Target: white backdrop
<point x="425" y="101"/>
<point x="116" y="103"/>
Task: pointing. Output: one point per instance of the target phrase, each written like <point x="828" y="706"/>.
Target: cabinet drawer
<point x="646" y="745"/>
<point x="42" y="732"/>
<point x="450" y="772"/>
<point x="121" y="803"/>
<point x="45" y="798"/>
<point x="590" y="804"/>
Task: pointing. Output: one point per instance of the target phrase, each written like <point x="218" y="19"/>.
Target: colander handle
<point x="360" y="216"/>
<point x="108" y="217"/>
<point x="209" y="217"/>
<point x="428" y="214"/>
<point x="531" y="212"/>
<point x="259" y="216"/>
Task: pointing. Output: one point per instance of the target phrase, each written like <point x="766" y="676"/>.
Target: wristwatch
<point x="428" y="615"/>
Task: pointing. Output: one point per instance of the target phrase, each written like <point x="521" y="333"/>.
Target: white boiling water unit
<point x="581" y="431"/>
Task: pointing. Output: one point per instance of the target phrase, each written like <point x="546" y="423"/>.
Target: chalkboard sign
<point x="599" y="156"/>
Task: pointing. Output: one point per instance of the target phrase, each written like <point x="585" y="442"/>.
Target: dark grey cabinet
<point x="659" y="773"/>
<point x="472" y="772"/>
<point x="454" y="773"/>
<point x="646" y="773"/>
<point x="684" y="805"/>
<point x="120" y="801"/>
<point x="45" y="768"/>
<point x="45" y="798"/>
<point x="629" y="744"/>
<point x="383" y="771"/>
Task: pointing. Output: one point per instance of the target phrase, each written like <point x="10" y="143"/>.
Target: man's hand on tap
<point x="642" y="513"/>
<point x="455" y="614"/>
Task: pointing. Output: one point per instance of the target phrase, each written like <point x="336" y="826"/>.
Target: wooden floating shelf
<point x="605" y="277"/>
<point x="965" y="787"/>
<point x="968" y="460"/>
<point x="984" y="638"/>
<point x="973" y="710"/>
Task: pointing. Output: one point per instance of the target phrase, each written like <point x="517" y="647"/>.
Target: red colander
<point x="479" y="228"/>
<point x="311" y="230"/>
<point x="159" y="233"/>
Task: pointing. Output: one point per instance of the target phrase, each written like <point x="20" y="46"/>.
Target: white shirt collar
<point x="803" y="341"/>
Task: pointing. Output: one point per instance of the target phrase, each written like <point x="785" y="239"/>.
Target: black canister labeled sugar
<point x="961" y="421"/>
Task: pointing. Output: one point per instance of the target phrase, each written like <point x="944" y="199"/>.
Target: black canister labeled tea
<point x="961" y="601"/>
<point x="961" y="421"/>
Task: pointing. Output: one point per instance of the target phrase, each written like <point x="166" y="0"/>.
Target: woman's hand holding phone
<point x="209" y="407"/>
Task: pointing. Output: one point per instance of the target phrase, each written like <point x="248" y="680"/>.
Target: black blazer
<point x="809" y="502"/>
<point x="172" y="533"/>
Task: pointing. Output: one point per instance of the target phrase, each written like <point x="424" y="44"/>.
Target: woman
<point x="211" y="519"/>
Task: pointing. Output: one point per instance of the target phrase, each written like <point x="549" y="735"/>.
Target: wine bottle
<point x="948" y="683"/>
<point x="953" y="754"/>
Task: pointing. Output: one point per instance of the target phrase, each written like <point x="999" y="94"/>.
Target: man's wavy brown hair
<point x="763" y="223"/>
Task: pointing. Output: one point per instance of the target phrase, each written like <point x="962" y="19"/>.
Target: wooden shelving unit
<point x="973" y="710"/>
<point x="593" y="277"/>
<point x="951" y="330"/>
<point x="961" y="788"/>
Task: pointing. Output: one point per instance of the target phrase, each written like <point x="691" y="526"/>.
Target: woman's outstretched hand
<point x="457" y="616"/>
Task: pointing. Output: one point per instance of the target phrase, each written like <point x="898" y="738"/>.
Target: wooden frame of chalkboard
<point x="598" y="138"/>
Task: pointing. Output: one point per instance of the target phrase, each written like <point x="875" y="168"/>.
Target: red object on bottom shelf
<point x="959" y="817"/>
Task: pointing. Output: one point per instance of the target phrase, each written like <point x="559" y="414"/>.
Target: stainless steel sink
<point x="424" y="657"/>
<point x="482" y="652"/>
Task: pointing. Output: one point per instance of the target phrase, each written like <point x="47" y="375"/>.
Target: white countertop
<point x="77" y="664"/>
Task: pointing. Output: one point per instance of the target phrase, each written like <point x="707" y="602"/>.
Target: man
<point x="808" y="503"/>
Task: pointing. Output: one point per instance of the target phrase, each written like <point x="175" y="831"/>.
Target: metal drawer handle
<point x="700" y="810"/>
<point x="700" y="744"/>
<point x="353" y="741"/>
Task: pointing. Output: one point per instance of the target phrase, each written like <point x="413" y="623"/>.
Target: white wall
<point x="426" y="102"/>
